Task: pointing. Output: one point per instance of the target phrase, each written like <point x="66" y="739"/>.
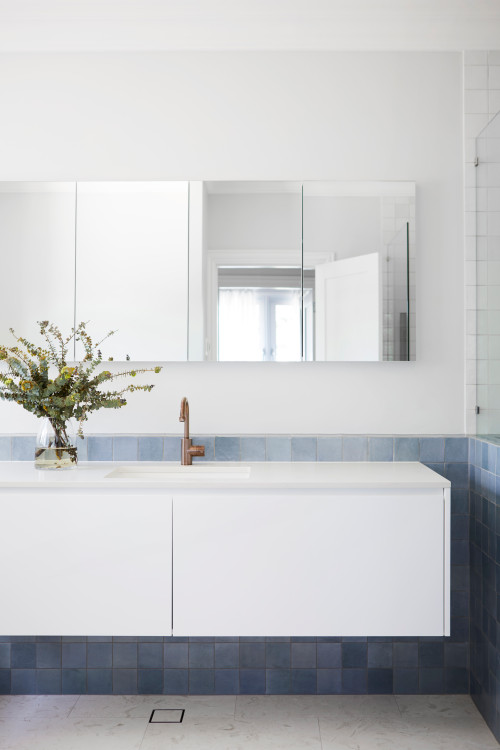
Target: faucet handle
<point x="197" y="450"/>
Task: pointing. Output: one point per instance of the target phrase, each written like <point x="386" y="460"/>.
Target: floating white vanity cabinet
<point x="303" y="549"/>
<point x="85" y="562"/>
<point x="308" y="562"/>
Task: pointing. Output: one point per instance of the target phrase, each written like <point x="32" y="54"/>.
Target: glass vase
<point x="56" y="445"/>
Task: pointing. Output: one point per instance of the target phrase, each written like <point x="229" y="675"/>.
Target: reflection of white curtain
<point x="240" y="326"/>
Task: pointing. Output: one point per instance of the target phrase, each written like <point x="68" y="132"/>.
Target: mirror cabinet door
<point x="250" y="251"/>
<point x="358" y="293"/>
<point x="132" y="266"/>
<point x="37" y="241"/>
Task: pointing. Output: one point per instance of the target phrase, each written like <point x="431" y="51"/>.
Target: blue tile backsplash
<point x="469" y="660"/>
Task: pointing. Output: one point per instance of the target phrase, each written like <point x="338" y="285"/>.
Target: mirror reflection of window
<point x="258" y="315"/>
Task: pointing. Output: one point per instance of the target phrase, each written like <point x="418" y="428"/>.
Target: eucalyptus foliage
<point x="41" y="381"/>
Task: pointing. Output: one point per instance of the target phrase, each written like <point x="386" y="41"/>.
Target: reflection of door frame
<point x="236" y="258"/>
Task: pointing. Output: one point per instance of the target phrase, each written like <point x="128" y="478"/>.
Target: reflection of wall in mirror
<point x="397" y="212"/>
<point x="260" y="229"/>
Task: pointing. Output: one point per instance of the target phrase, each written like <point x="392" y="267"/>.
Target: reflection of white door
<point x="349" y="309"/>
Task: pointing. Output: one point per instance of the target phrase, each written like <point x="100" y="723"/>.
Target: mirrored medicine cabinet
<point x="220" y="271"/>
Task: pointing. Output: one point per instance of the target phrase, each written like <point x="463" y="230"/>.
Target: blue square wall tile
<point x="82" y="448"/>
<point x="354" y="655"/>
<point x="407" y="449"/>
<point x="125" y="681"/>
<point x="201" y="655"/>
<point x="277" y="681"/>
<point x="73" y="681"/>
<point x="278" y="655"/>
<point x="209" y="445"/>
<point x="456" y="655"/>
<point x="354" y="681"/>
<point x="227" y="681"/>
<point x="227" y="449"/>
<point x="405" y="655"/>
<point x="379" y="656"/>
<point x="304" y="681"/>
<point x="380" y="681"/>
<point x="150" y="681"/>
<point x="99" y="681"/>
<point x="23" y="656"/>
<point x="150" y="656"/>
<point x="99" y="448"/>
<point x="175" y="655"/>
<point x="99" y="655"/>
<point x="278" y="449"/>
<point x="252" y="681"/>
<point x="74" y="655"/>
<point x="432" y="450"/>
<point x="380" y="449"/>
<point x="456" y="450"/>
<point x="253" y="449"/>
<point x="458" y="474"/>
<point x="5" y="449"/>
<point x="4" y="681"/>
<point x="201" y="681"/>
<point x="48" y="681"/>
<point x="23" y="448"/>
<point x="431" y="654"/>
<point x="492" y="458"/>
<point x="431" y="681"/>
<point x="304" y="448"/>
<point x="456" y="681"/>
<point x="329" y="681"/>
<point x="4" y="655"/>
<point x="175" y="681"/>
<point x="355" y="449"/>
<point x="23" y="681"/>
<point x="125" y="448"/>
<point x="125" y="655"/>
<point x="226" y="655"/>
<point x="171" y="449"/>
<point x="304" y="655"/>
<point x="150" y="448"/>
<point x="329" y="449"/>
<point x="329" y="656"/>
<point x="252" y="655"/>
<point x="405" y="681"/>
<point x="48" y="655"/>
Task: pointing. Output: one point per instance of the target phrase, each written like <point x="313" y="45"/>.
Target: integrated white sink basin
<point x="182" y="474"/>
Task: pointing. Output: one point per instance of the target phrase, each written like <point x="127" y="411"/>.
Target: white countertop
<point x="271" y="475"/>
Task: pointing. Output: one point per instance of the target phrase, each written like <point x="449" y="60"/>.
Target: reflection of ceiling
<point x="252" y="187"/>
<point x="248" y="25"/>
<point x="317" y="188"/>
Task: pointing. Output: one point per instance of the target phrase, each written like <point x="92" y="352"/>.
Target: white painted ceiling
<point x="312" y="25"/>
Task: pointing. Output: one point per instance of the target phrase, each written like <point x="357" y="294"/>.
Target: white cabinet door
<point x="338" y="563"/>
<point x="93" y="563"/>
<point x="132" y="267"/>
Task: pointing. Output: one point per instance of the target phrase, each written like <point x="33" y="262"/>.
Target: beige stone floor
<point x="350" y="722"/>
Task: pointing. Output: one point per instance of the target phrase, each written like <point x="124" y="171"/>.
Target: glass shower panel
<point x="488" y="277"/>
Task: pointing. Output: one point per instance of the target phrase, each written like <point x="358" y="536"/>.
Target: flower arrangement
<point x="39" y="379"/>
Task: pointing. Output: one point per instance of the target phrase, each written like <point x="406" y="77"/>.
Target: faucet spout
<point x="184" y="416"/>
<point x="188" y="450"/>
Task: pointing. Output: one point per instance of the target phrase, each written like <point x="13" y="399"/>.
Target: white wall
<point x="345" y="116"/>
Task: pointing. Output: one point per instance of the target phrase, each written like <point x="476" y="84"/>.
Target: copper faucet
<point x="188" y="450"/>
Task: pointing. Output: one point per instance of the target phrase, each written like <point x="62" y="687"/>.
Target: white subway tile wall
<point x="482" y="223"/>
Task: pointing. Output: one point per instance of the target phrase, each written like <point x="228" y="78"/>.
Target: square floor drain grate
<point x="166" y="716"/>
